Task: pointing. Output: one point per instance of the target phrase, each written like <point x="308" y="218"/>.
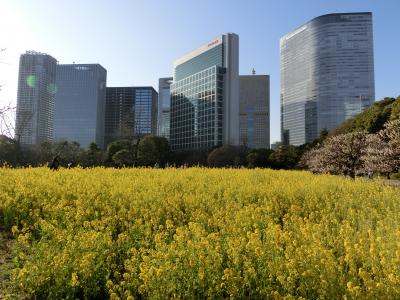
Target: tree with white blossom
<point x="341" y="155"/>
<point x="382" y="153"/>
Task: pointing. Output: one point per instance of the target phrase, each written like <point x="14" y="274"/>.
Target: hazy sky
<point x="137" y="41"/>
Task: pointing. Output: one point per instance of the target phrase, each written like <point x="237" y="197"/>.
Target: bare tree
<point x="132" y="128"/>
<point x="7" y="120"/>
<point x="7" y="114"/>
<point x="21" y="124"/>
<point x="125" y="129"/>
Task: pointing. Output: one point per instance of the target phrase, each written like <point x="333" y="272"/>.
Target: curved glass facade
<point x="327" y="74"/>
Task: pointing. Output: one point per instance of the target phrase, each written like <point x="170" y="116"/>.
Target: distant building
<point x="164" y="106"/>
<point x="80" y="103"/>
<point x="254" y="122"/>
<point x="130" y="112"/>
<point x="327" y="74"/>
<point x="35" y="100"/>
<point x="275" y="146"/>
<point x="205" y="96"/>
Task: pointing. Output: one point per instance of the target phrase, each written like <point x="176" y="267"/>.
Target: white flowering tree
<point x="382" y="153"/>
<point x="341" y="154"/>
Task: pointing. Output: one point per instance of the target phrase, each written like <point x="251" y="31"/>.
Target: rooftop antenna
<point x="253" y="72"/>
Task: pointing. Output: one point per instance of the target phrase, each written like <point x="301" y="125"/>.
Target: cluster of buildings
<point x="327" y="76"/>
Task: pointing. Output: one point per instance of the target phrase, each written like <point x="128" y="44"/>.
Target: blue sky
<point x="137" y="41"/>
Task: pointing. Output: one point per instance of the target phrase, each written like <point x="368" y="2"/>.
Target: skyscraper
<point x="164" y="106"/>
<point x="80" y="103"/>
<point x="35" y="100"/>
<point x="254" y="111"/>
<point x="327" y="74"/>
<point x="130" y="112"/>
<point x="205" y="96"/>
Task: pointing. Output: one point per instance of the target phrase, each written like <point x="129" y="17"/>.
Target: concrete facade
<point x="35" y="98"/>
<point x="254" y="117"/>
<point x="164" y="106"/>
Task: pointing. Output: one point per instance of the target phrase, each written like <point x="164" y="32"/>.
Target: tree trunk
<point x="136" y="149"/>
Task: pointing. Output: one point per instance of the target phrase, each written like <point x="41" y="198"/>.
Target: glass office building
<point x="35" y="99"/>
<point x="80" y="103"/>
<point x="254" y="111"/>
<point x="164" y="106"/>
<point x="327" y="74"/>
<point x="130" y="112"/>
<point x="205" y="96"/>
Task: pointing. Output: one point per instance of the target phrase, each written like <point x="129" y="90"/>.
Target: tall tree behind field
<point x="383" y="150"/>
<point x="372" y="119"/>
<point x="153" y="150"/>
<point x="340" y="155"/>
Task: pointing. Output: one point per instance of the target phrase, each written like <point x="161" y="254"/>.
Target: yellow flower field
<point x="197" y="233"/>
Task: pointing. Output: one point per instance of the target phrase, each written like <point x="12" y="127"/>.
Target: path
<point x="6" y="264"/>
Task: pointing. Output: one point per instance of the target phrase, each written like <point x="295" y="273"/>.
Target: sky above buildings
<point x="137" y="41"/>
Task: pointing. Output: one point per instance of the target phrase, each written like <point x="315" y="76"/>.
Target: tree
<point x="123" y="158"/>
<point x="190" y="158"/>
<point x="370" y="120"/>
<point x="382" y="154"/>
<point x="69" y="152"/>
<point x="8" y="151"/>
<point x="227" y="156"/>
<point x="395" y="114"/>
<point x="93" y="157"/>
<point x="21" y="124"/>
<point x="259" y="158"/>
<point x="153" y="150"/>
<point x="116" y="146"/>
<point x="251" y="159"/>
<point x="7" y="120"/>
<point x="286" y="157"/>
<point x="341" y="154"/>
<point x="322" y="135"/>
<point x="312" y="159"/>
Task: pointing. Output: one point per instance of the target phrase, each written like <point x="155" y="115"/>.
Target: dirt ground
<point x="6" y="266"/>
